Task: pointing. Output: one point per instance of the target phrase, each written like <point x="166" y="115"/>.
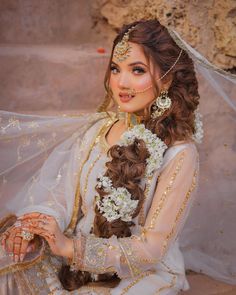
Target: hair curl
<point x="128" y="164"/>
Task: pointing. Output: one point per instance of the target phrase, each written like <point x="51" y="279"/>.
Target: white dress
<point x="150" y="261"/>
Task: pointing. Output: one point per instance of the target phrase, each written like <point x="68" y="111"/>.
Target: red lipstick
<point x="125" y="96"/>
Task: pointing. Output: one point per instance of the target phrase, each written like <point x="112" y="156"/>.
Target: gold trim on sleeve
<point x="166" y="192"/>
<point x="141" y="219"/>
<point x="180" y="212"/>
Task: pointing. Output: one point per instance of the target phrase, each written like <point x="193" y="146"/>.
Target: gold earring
<point x="162" y="103"/>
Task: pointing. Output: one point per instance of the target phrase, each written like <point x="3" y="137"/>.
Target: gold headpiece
<point x="122" y="48"/>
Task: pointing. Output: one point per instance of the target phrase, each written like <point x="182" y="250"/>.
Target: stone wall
<point x="46" y="64"/>
<point x="209" y="26"/>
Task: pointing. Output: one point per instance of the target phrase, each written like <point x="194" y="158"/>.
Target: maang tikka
<point x="122" y="48"/>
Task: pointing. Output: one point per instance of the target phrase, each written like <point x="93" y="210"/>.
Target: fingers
<point x="22" y="250"/>
<point x="10" y="240"/>
<point x="17" y="247"/>
<point x="4" y="237"/>
<point x="34" y="215"/>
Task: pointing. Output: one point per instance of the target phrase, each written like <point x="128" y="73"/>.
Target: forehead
<point x="136" y="54"/>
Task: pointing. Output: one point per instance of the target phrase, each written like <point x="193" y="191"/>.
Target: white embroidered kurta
<point x="149" y="261"/>
<point x="150" y="258"/>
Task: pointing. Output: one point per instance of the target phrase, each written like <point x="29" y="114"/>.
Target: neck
<point x="131" y="119"/>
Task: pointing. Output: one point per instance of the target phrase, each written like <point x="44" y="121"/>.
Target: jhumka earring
<point x="162" y="103"/>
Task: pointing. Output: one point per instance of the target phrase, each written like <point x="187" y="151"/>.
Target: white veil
<point x="208" y="239"/>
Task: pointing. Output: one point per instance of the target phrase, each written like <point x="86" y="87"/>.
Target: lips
<point x="125" y="97"/>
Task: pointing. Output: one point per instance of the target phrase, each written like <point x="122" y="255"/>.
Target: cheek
<point x="142" y="82"/>
<point x="113" y="82"/>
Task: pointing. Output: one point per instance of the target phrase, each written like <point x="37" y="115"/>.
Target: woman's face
<point x="133" y="73"/>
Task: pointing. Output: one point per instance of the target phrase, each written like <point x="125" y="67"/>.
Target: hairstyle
<point x="128" y="163"/>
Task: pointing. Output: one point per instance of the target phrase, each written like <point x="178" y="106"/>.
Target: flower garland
<point x="198" y="126"/>
<point x="156" y="147"/>
<point x="118" y="203"/>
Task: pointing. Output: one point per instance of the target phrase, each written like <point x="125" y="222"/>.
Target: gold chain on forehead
<point x="122" y="48"/>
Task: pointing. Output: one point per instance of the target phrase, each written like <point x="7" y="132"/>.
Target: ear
<point x="167" y="82"/>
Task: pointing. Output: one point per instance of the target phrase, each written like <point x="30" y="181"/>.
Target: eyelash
<point x="139" y="69"/>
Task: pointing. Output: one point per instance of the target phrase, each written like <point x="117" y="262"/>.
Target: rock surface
<point x="40" y="56"/>
<point x="209" y="26"/>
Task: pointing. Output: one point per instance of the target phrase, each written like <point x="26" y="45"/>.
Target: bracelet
<point x="75" y="259"/>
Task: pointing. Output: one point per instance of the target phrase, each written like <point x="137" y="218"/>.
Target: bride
<point x="106" y="194"/>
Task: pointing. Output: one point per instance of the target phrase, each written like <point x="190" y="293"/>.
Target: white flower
<point x="154" y="144"/>
<point x="198" y="135"/>
<point x="104" y="182"/>
<point x="118" y="204"/>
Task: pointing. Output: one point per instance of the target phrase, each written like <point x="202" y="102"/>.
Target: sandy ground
<point x="204" y="285"/>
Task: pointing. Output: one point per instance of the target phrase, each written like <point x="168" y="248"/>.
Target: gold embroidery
<point x="130" y="258"/>
<point x="172" y="283"/>
<point x="126" y="258"/>
<point x="103" y="142"/>
<point x="168" y="268"/>
<point x="11" y="122"/>
<point x="22" y="265"/>
<point x="139" y="278"/>
<point x="166" y="192"/>
<point x="95" y="255"/>
<point x="146" y="192"/>
<point x="22" y="284"/>
<point x="84" y="208"/>
<point x="33" y="124"/>
<point x="77" y="201"/>
<point x="170" y="234"/>
<point x="24" y="142"/>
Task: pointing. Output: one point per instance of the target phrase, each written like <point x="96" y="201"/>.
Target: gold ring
<point x="27" y="236"/>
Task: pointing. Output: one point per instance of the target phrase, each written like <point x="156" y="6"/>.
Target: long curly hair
<point x="128" y="163"/>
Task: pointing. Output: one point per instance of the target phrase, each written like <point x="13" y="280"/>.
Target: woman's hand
<point x="13" y="243"/>
<point x="47" y="227"/>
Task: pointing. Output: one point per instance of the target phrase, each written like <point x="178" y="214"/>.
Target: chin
<point x="130" y="109"/>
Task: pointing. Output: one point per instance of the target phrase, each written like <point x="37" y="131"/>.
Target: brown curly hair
<point x="128" y="163"/>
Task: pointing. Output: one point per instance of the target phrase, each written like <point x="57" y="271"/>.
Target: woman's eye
<point x="138" y="70"/>
<point x="114" y="70"/>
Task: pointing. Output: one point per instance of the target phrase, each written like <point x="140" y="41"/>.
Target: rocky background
<point x="47" y="46"/>
<point x="51" y="61"/>
<point x="209" y="26"/>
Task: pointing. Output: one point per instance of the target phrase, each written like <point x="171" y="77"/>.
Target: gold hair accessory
<point x="122" y="48"/>
<point x="162" y="103"/>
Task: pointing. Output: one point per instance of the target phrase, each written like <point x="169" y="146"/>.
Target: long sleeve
<point x="170" y="207"/>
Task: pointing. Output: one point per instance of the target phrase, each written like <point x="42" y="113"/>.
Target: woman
<point x="133" y="187"/>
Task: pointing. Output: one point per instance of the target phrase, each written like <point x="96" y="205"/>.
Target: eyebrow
<point x="131" y="64"/>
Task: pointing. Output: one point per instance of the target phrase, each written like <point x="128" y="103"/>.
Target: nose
<point x="123" y="81"/>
